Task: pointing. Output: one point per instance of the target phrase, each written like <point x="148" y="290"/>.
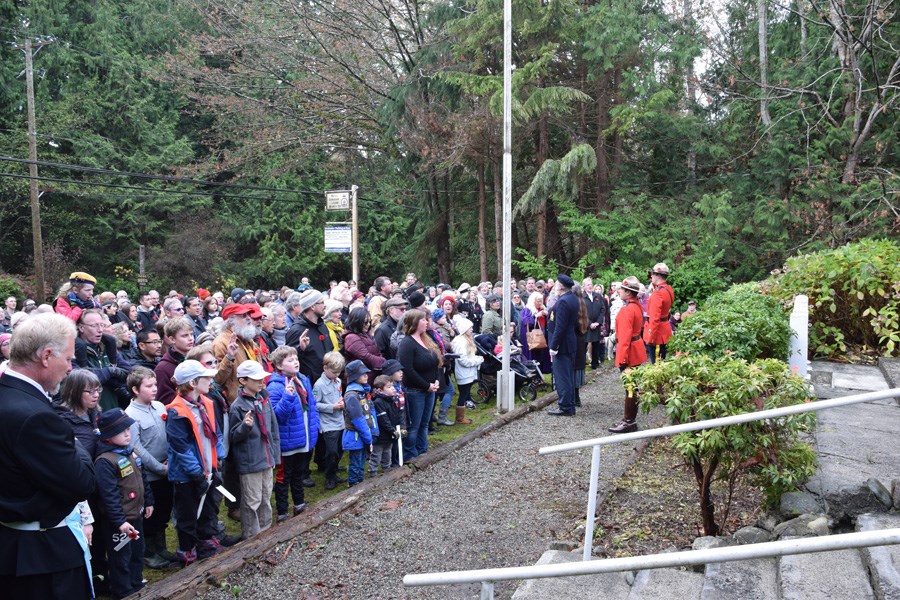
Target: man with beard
<point x="237" y="343"/>
<point x="310" y="325"/>
<point x="43" y="549"/>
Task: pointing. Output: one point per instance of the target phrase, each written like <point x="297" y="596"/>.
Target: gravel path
<point x="493" y="503"/>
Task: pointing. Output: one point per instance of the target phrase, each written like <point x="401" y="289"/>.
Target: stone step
<point x="741" y="580"/>
<point x="605" y="586"/>
<point x="665" y="584"/>
<point x="883" y="561"/>
<point x="839" y="574"/>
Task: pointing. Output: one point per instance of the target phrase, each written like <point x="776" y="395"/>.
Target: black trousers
<point x="598" y="353"/>
<point x="71" y="584"/>
<point x="292" y="470"/>
<point x="186" y="502"/>
<point x="126" y="565"/>
<point x="232" y="482"/>
<point x="655" y="352"/>
<point x="331" y="442"/>
<point x="162" y="509"/>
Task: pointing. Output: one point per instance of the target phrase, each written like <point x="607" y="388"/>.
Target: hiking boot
<point x="207" y="548"/>
<point x="186" y="557"/>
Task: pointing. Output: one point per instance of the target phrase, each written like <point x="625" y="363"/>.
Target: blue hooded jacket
<point x="289" y="412"/>
<point x="355" y="414"/>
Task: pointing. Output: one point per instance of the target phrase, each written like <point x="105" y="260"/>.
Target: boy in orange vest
<point x="194" y="448"/>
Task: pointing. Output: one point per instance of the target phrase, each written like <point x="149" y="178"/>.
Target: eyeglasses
<point x="266" y="319"/>
<point x="178" y="310"/>
<point x="211" y="363"/>
<point x="7" y="343"/>
<point x="93" y="325"/>
<point x="93" y="391"/>
<point x="154" y="342"/>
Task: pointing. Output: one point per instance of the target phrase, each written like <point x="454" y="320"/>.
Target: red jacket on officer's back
<point x="658" y="329"/>
<point x="630" y="351"/>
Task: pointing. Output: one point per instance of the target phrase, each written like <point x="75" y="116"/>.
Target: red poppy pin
<point x="321" y="338"/>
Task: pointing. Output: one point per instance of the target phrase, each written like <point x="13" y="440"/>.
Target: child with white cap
<point x="255" y="447"/>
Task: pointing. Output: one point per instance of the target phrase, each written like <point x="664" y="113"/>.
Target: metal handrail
<point x="773" y="413"/>
<point x="826" y="543"/>
<point x="487" y="577"/>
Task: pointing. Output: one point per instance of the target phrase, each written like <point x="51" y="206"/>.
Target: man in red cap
<point x="237" y="343"/>
<point x="658" y="330"/>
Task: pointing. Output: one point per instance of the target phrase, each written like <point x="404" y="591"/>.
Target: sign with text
<point x="337" y="200"/>
<point x="338" y="237"/>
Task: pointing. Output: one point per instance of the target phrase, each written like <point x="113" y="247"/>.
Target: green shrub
<point x="739" y="322"/>
<point x="697" y="387"/>
<point x="10" y="287"/>
<point x="854" y="297"/>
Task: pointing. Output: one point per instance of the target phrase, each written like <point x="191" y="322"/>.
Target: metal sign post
<point x="339" y="237"/>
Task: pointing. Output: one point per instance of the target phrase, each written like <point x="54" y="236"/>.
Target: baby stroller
<point x="527" y="373"/>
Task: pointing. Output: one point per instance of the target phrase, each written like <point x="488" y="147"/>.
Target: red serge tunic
<point x="658" y="330"/>
<point x="630" y="351"/>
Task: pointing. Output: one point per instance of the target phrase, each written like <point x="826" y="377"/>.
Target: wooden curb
<point x="211" y="572"/>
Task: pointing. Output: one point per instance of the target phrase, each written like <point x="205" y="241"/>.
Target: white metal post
<point x="592" y="504"/>
<point x="355" y="244"/>
<point x="487" y="590"/>
<point x="505" y="396"/>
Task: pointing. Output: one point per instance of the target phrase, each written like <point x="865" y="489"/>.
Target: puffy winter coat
<point x="467" y="363"/>
<point x="295" y="430"/>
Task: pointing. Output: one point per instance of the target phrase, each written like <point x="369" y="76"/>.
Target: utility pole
<point x="37" y="238"/>
<point x="354" y="218"/>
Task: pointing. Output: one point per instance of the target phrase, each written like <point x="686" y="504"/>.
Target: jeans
<point x="357" y="468"/>
<point x="564" y="380"/>
<point x="419" y="406"/>
<point x="447" y="398"/>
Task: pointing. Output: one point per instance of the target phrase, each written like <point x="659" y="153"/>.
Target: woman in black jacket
<point x="421" y="360"/>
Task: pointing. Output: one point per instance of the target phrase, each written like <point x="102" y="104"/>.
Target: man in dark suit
<point x="44" y="473"/>
<point x="563" y="345"/>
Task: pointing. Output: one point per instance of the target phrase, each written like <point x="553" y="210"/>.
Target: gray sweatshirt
<point x="327" y="393"/>
<point x="148" y="437"/>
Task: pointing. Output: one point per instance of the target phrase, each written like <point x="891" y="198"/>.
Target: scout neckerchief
<point x="301" y="391"/>
<point x="208" y="429"/>
<point x="258" y="415"/>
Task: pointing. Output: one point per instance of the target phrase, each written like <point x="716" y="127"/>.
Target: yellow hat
<point x="79" y="277"/>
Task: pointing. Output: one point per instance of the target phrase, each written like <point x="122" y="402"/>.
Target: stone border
<point x="212" y="572"/>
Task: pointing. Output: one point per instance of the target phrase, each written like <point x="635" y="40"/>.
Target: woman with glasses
<point x="359" y="344"/>
<point x="78" y="406"/>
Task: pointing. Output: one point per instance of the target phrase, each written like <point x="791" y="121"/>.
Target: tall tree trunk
<point x="802" y="7"/>
<point x="690" y="87"/>
<point x="444" y="263"/>
<point x="482" y="210"/>
<point x="543" y="150"/>
<point x="602" y="174"/>
<point x="763" y="64"/>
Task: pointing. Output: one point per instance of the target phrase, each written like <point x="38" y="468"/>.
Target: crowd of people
<point x="127" y="415"/>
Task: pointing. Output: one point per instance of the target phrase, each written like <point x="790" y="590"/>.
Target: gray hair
<point x="293" y="301"/>
<point x="216" y="326"/>
<point x="278" y="310"/>
<point x="38" y="333"/>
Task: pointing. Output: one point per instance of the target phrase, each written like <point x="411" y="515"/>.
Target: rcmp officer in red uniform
<point x="658" y="330"/>
<point x="630" y="351"/>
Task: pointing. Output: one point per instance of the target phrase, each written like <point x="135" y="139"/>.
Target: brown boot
<point x="461" y="416"/>
<point x="627" y="425"/>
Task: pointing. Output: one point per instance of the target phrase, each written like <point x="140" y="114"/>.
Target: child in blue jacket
<point x="360" y="423"/>
<point x="295" y="409"/>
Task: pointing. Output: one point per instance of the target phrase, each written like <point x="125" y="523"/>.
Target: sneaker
<point x="299" y="508"/>
<point x="207" y="548"/>
<point x="373" y="474"/>
<point x="281" y="518"/>
<point x="186" y="557"/>
<point x="470" y="405"/>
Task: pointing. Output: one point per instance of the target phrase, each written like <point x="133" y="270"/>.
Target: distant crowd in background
<point x="183" y="401"/>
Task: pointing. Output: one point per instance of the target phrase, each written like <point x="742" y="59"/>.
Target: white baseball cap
<point x="190" y="370"/>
